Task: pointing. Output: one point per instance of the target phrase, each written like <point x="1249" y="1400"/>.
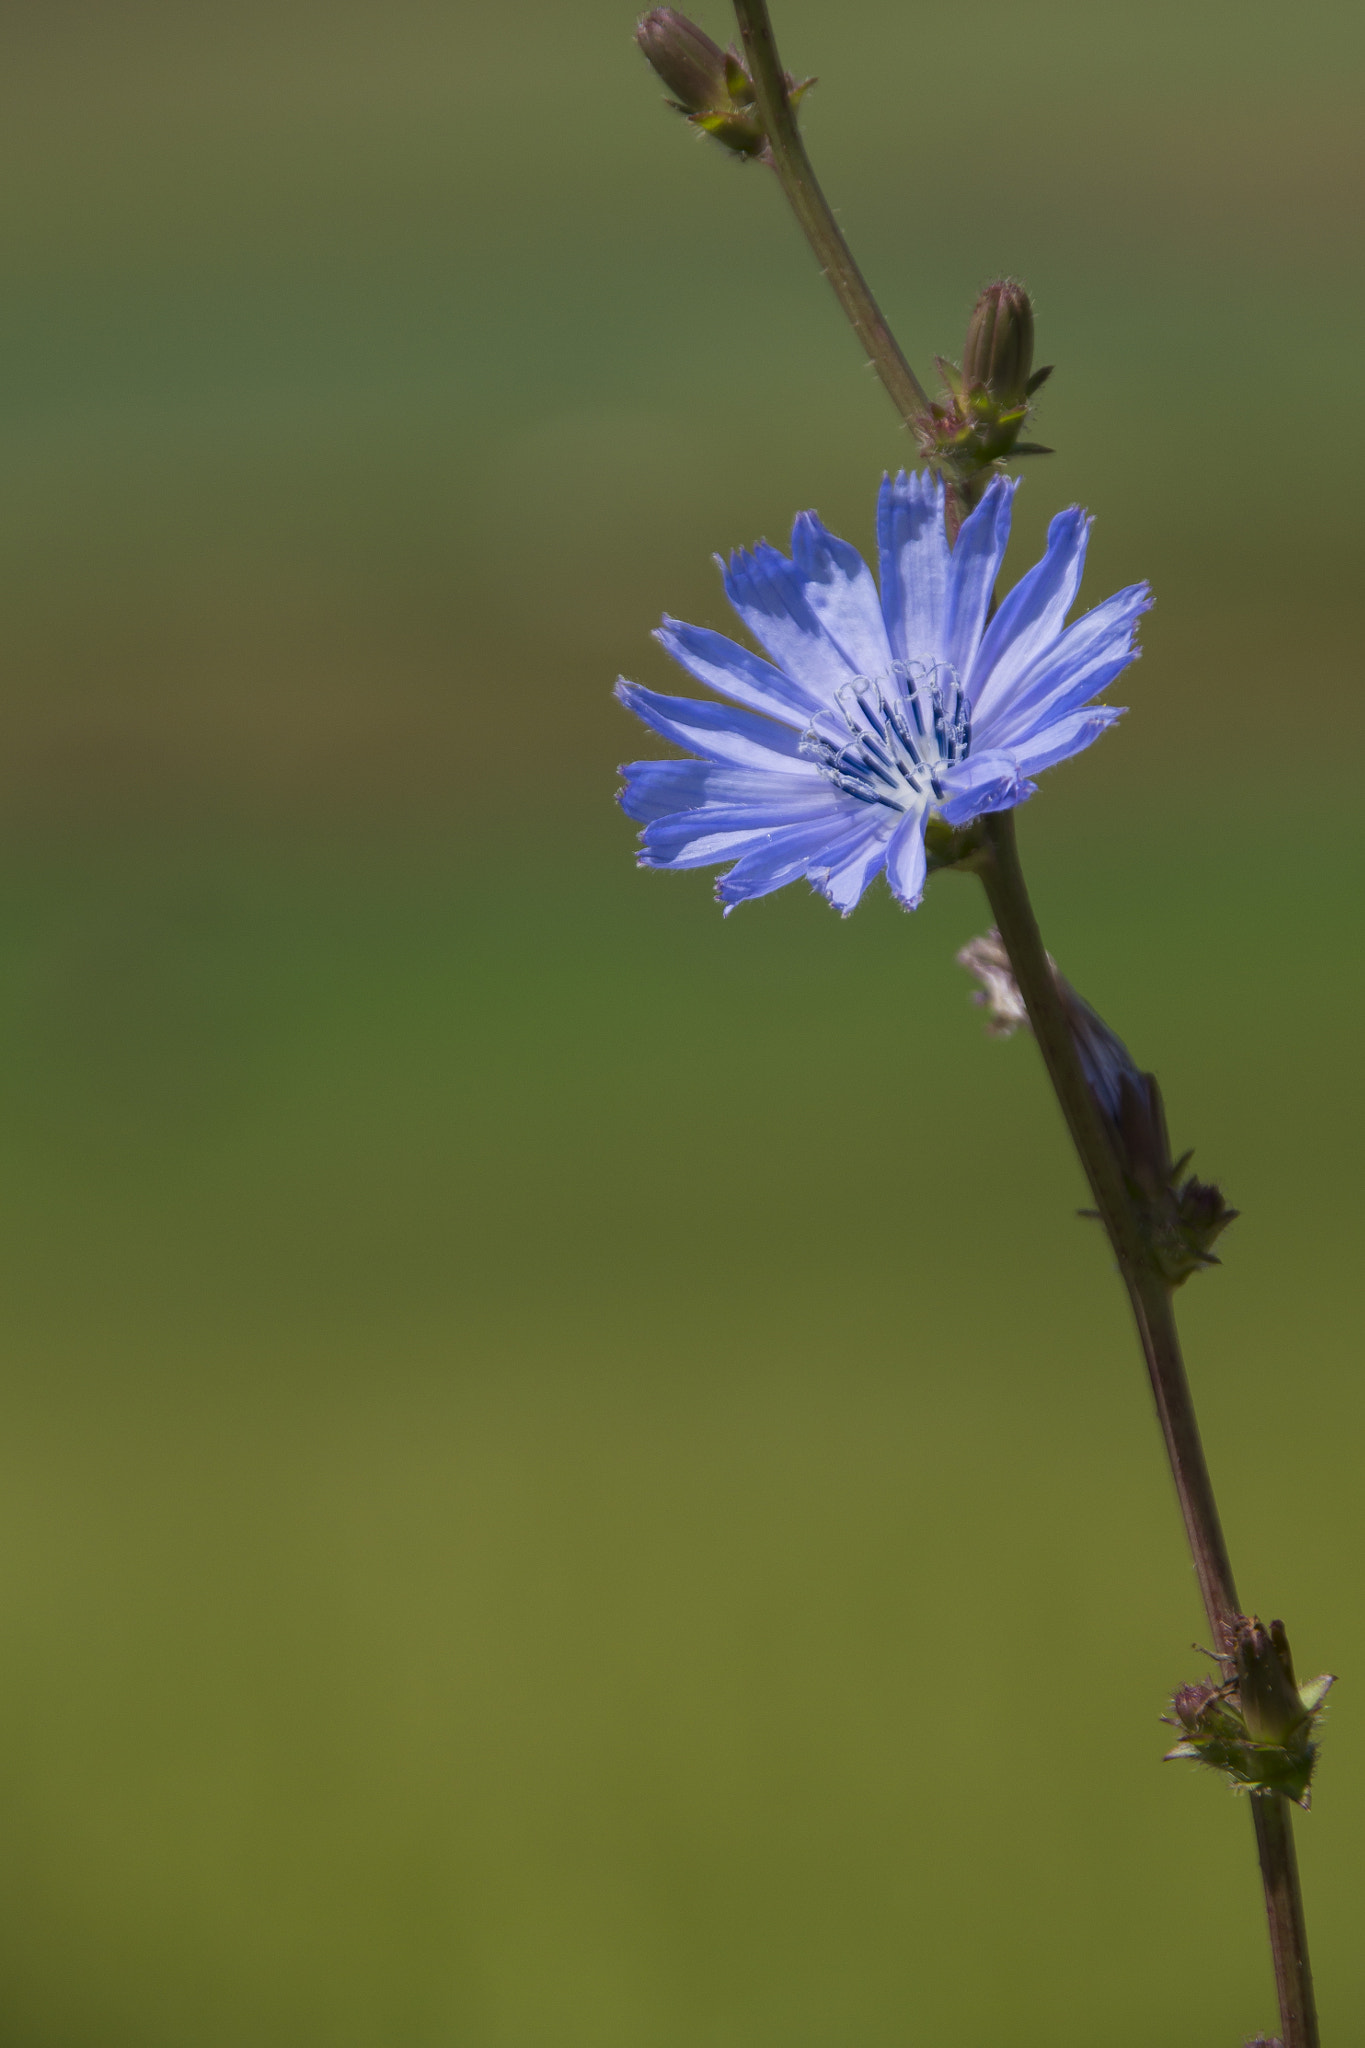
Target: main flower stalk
<point x="997" y="860"/>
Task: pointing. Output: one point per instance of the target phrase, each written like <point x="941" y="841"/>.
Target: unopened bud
<point x="976" y="424"/>
<point x="1192" y="1701"/>
<point x="1271" y="1706"/>
<point x="686" y="59"/>
<point x="1259" y="1727"/>
<point x="998" y="356"/>
<point x="710" y="85"/>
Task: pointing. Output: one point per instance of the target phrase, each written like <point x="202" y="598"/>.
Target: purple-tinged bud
<point x="710" y="85"/>
<point x="975" y="426"/>
<point x="686" y="59"/>
<point x="1191" y="1702"/>
<point x="998" y="356"/>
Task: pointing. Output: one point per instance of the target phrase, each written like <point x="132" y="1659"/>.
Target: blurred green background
<point x="570" y="1476"/>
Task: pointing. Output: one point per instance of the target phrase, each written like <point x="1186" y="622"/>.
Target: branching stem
<point x="1148" y="1292"/>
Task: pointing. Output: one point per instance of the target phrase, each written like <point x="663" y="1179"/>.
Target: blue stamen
<point x="900" y="738"/>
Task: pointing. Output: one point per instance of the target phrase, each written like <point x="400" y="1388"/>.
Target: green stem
<point x="808" y="203"/>
<point x="1007" y="891"/>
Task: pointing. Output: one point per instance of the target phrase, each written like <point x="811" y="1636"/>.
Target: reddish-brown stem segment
<point x="1284" y="1910"/>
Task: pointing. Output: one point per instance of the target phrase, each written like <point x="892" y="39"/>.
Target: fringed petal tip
<point x="819" y="886"/>
<point x="922" y="485"/>
<point x="823" y="886"/>
<point x="1134" y="601"/>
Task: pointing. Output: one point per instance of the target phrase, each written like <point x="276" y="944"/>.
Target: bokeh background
<point x="569" y="1473"/>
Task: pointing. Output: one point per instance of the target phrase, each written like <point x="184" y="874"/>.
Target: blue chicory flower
<point x="874" y="713"/>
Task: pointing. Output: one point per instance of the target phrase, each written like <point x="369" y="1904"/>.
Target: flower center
<point x="904" y="729"/>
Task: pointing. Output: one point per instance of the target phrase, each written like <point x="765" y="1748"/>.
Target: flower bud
<point x="975" y="426"/>
<point x="686" y="59"/>
<point x="998" y="356"/>
<point x="710" y="85"/>
<point x="1259" y="1727"/>
<point x="1192" y="1701"/>
<point x="1271" y="1707"/>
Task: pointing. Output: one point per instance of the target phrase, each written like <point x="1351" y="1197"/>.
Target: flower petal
<point x="988" y="781"/>
<point x="977" y="558"/>
<point x="906" y="860"/>
<point x="842" y="593"/>
<point x="702" y="839"/>
<point x="726" y="667"/>
<point x="1030" y="619"/>
<point x="1083" y="662"/>
<point x="846" y="868"/>
<point x="1066" y="737"/>
<point x="912" y="545"/>
<point x="718" y="732"/>
<point x="655" y="789"/>
<point x="786" y="857"/>
<point x="774" y="599"/>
